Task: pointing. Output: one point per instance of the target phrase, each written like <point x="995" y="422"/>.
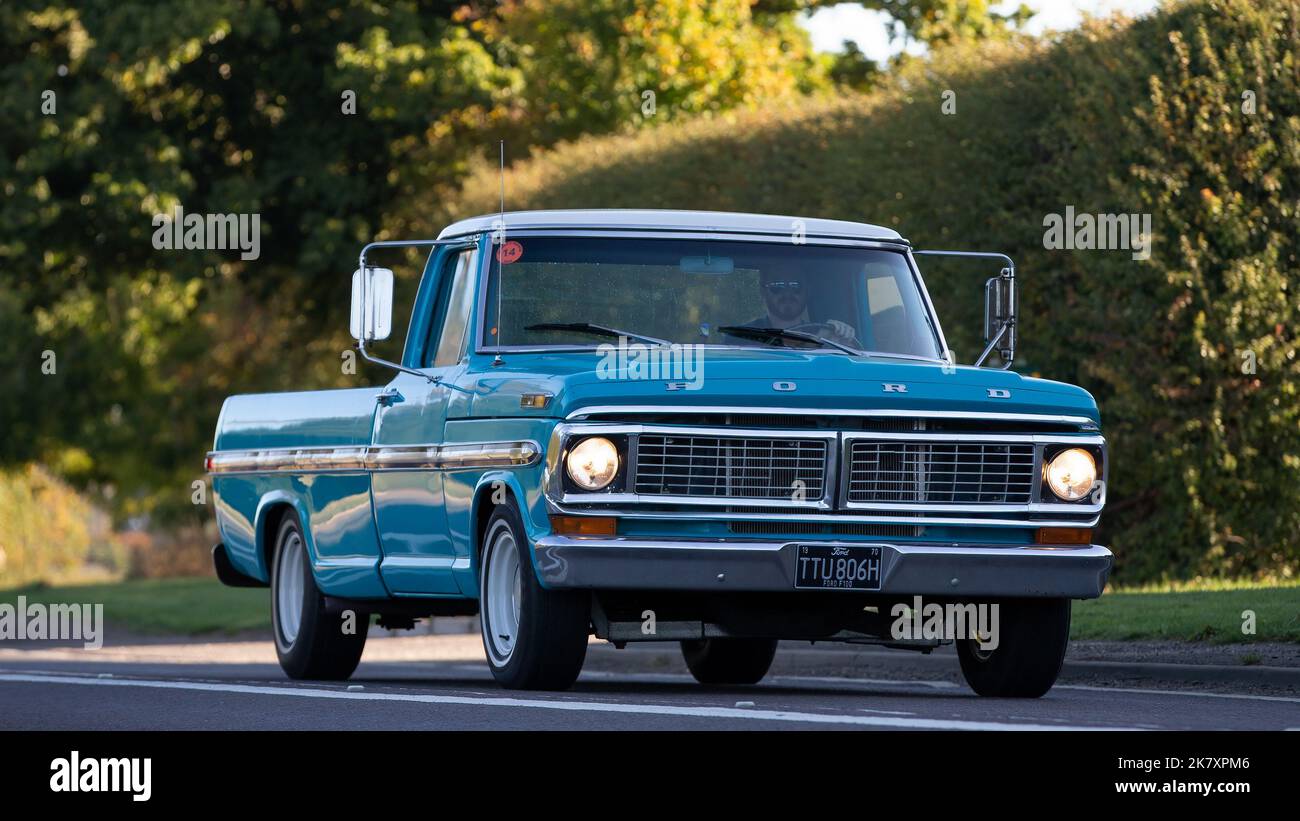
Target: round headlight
<point x="593" y="463"/>
<point x="1071" y="474"/>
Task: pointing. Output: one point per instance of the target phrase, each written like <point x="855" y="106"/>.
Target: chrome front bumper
<point x="737" y="565"/>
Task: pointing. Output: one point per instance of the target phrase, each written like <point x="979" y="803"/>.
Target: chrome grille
<point x="731" y="467"/>
<point x="940" y="473"/>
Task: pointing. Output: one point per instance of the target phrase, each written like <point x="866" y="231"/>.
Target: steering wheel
<point x="824" y="329"/>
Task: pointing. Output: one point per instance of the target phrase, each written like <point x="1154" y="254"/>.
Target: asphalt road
<point x="459" y="694"/>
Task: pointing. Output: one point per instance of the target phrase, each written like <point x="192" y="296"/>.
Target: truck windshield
<point x="574" y="292"/>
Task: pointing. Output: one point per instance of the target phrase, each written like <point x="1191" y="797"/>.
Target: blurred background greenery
<point x="239" y="106"/>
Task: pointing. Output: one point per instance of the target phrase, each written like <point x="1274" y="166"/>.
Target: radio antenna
<point x="499" y="252"/>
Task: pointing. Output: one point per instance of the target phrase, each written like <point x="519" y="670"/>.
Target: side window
<point x="891" y="320"/>
<point x="883" y="294"/>
<point x="455" y="303"/>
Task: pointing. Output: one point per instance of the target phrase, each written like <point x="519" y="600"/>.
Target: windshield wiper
<point x="768" y="334"/>
<point x="598" y="330"/>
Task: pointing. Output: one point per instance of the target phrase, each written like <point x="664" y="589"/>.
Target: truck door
<point x="406" y="484"/>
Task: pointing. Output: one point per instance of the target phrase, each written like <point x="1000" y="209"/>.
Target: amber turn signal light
<point x="1064" y="535"/>
<point x="584" y="525"/>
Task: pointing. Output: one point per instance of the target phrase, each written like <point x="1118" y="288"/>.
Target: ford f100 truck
<point x="717" y="429"/>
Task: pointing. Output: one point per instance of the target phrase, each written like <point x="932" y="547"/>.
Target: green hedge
<point x="1117" y="117"/>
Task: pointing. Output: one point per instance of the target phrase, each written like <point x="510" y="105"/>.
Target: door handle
<point x="388" y="396"/>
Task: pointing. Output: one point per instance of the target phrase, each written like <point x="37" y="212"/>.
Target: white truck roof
<point x="663" y="220"/>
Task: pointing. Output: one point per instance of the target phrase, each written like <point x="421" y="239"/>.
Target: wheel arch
<point x="483" y="506"/>
<point x="271" y="511"/>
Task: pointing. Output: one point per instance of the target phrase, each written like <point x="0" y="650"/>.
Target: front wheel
<point x="1029" y="650"/>
<point x="729" y="661"/>
<point x="534" y="638"/>
<point x="310" y="641"/>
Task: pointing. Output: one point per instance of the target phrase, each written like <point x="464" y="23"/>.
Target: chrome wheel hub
<point x="501" y="592"/>
<point x="289" y="587"/>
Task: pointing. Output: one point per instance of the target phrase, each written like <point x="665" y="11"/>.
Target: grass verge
<point x="1213" y="611"/>
<point x="190" y="606"/>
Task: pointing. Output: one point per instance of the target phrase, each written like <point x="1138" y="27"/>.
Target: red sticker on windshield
<point x="509" y="252"/>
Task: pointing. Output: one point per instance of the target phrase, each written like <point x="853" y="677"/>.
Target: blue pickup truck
<point x="717" y="429"/>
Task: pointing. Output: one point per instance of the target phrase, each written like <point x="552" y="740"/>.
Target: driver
<point x="786" y="298"/>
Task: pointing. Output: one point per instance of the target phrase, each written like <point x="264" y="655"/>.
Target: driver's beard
<point x="798" y="319"/>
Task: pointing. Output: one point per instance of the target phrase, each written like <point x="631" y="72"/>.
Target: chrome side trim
<point x="606" y="410"/>
<point x="489" y="455"/>
<point x="378" y="458"/>
<point x="316" y="460"/>
<point x="417" y="457"/>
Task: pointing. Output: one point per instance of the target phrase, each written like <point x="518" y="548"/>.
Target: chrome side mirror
<point x="1000" y="316"/>
<point x="999" y="306"/>
<point x="372" y="304"/>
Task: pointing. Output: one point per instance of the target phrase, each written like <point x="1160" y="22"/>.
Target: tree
<point x="853" y="69"/>
<point x="116" y="113"/>
<point x="593" y="66"/>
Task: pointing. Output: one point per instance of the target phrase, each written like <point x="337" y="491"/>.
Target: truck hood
<point x="752" y="378"/>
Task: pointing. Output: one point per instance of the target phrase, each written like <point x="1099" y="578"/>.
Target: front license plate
<point x="837" y="567"/>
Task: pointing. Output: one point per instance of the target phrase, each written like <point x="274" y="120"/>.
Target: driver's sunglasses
<point x="775" y="288"/>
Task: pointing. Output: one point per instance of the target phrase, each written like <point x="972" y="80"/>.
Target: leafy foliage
<point x="50" y="530"/>
<point x="594" y="66"/>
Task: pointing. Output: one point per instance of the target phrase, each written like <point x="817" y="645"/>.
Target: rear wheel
<point x="729" y="661"/>
<point x="310" y="642"/>
<point x="1030" y="648"/>
<point x="534" y="638"/>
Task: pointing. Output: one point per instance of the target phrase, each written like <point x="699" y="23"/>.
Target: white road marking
<point x="898" y="682"/>
<point x="948" y="685"/>
<point x="1135" y="690"/>
<point x="585" y="706"/>
<point x="676" y="677"/>
<point x="1244" y="696"/>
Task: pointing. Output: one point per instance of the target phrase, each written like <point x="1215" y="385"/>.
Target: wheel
<point x="534" y="638"/>
<point x="729" y="661"/>
<point x="310" y="642"/>
<point x="1032" y="638"/>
